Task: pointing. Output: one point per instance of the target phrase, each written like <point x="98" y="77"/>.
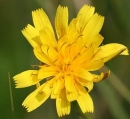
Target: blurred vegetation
<point x="111" y="97"/>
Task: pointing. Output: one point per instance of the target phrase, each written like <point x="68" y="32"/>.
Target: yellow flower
<point x="67" y="60"/>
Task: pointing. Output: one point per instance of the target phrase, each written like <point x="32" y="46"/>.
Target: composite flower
<point x="68" y="59"/>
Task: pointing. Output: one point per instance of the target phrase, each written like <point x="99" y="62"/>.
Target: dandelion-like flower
<point x="67" y="60"/>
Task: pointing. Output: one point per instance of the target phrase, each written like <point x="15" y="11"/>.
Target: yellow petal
<point x="83" y="17"/>
<point x="62" y="104"/>
<point x="76" y="47"/>
<point x="69" y="83"/>
<point x="72" y="32"/>
<point x="43" y="25"/>
<point x="47" y="38"/>
<point x="97" y="40"/>
<point x="89" y="86"/>
<point x="83" y="73"/>
<point x="63" y="47"/>
<point x="62" y="41"/>
<point x="33" y="101"/>
<point x="50" y="52"/>
<point x="78" y="24"/>
<point x="46" y="71"/>
<point x="61" y="21"/>
<point x="125" y="52"/>
<point x="84" y="100"/>
<point x="72" y="96"/>
<point x="41" y="20"/>
<point x="42" y="57"/>
<point x="109" y="51"/>
<point x="57" y="87"/>
<point x="71" y="91"/>
<point x="83" y="82"/>
<point x="93" y="65"/>
<point x="100" y="77"/>
<point x="39" y="96"/>
<point x="93" y="27"/>
<point x="26" y="78"/>
<point x="84" y="56"/>
<point x="32" y="35"/>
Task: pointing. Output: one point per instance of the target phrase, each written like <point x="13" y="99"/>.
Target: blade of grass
<point x="115" y="81"/>
<point x="112" y="100"/>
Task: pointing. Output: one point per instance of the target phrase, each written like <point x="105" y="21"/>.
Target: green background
<point x="111" y="97"/>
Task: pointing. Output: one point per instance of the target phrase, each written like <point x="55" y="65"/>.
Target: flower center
<point x="65" y="65"/>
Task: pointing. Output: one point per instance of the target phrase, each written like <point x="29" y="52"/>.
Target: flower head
<point x="67" y="60"/>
